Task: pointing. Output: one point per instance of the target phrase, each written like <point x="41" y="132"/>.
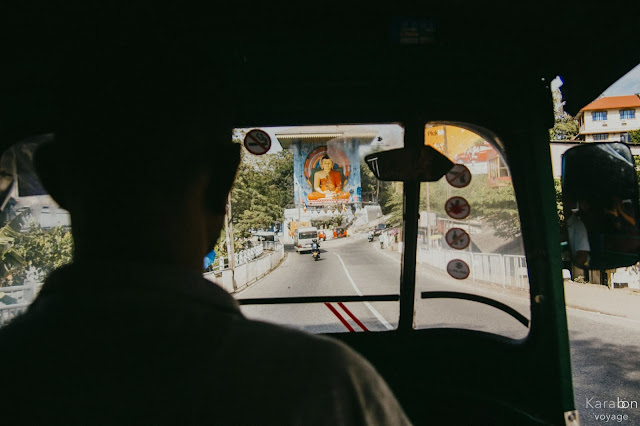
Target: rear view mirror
<point x="600" y="202"/>
<point x="404" y="165"/>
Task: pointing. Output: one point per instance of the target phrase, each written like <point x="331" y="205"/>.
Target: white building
<point x="609" y="119"/>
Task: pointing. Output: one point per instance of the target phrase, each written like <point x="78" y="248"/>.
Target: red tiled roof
<point x="610" y="102"/>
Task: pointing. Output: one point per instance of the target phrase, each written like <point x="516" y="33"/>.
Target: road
<point x="605" y="350"/>
<point x="353" y="266"/>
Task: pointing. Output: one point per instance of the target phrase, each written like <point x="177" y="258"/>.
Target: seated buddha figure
<point x="327" y="183"/>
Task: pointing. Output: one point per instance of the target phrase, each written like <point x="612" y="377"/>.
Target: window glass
<point x="627" y="114"/>
<point x="312" y="177"/>
<point x="35" y="233"/>
<point x="601" y="136"/>
<point x="469" y="239"/>
<point x="599" y="115"/>
<point x="625" y="137"/>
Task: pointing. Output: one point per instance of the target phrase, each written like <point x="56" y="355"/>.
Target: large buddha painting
<point x="327" y="174"/>
<point x="327" y="177"/>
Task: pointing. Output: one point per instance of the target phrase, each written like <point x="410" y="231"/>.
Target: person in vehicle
<point x="578" y="239"/>
<point x="130" y="332"/>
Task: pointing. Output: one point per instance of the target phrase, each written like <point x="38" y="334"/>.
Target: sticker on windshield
<point x="459" y="176"/>
<point x="457" y="238"/>
<point x="257" y="142"/>
<point x="457" y="207"/>
<point x="458" y="269"/>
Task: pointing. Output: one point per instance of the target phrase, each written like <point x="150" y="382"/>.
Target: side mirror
<point x="600" y="202"/>
<point x="404" y="165"/>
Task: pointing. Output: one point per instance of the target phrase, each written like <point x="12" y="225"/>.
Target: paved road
<point x="605" y="350"/>
<point x="354" y="266"/>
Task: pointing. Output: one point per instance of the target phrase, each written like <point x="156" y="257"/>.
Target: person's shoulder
<point x="287" y="337"/>
<point x="333" y="382"/>
<point x="323" y="352"/>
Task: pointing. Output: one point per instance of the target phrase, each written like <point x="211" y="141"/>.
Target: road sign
<point x="257" y="142"/>
<point x="457" y="238"/>
<point x="458" y="269"/>
<point x="457" y="207"/>
<point x="459" y="176"/>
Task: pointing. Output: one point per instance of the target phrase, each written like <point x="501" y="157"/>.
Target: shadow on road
<point x="604" y="372"/>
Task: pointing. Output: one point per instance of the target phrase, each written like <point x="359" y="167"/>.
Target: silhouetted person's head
<point x="142" y="156"/>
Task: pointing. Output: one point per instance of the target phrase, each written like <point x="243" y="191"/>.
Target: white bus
<point x="303" y="238"/>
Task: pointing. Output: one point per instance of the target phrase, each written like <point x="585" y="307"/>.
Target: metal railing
<point x="245" y="256"/>
<point x="24" y="294"/>
<point x="506" y="270"/>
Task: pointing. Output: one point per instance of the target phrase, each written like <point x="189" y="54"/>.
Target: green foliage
<point x="559" y="205"/>
<point x="368" y="181"/>
<point x="334" y="222"/>
<point x="263" y="188"/>
<point x="635" y="136"/>
<point x="391" y="201"/>
<point x="496" y="206"/>
<point x="42" y="249"/>
<point x="564" y="128"/>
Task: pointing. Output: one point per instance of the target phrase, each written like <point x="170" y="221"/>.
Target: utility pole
<point x="428" y="216"/>
<point x="230" y="241"/>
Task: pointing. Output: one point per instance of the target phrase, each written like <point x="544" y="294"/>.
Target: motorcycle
<point x="315" y="250"/>
<point x="370" y="237"/>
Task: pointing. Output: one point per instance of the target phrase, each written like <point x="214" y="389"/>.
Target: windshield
<point x="308" y="235"/>
<point x="316" y="177"/>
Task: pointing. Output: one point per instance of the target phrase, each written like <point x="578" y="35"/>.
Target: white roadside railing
<point x="251" y="265"/>
<point x="24" y="294"/>
<point x="505" y="270"/>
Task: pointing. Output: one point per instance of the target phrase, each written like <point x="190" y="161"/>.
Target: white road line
<point x="359" y="293"/>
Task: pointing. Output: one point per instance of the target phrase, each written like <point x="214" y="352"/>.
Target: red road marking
<point x="353" y="317"/>
<point x="340" y="317"/>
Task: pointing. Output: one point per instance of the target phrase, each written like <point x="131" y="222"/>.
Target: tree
<point x="494" y="205"/>
<point x="43" y="250"/>
<point x="391" y="201"/>
<point x="565" y="126"/>
<point x="635" y="136"/>
<point x="262" y="190"/>
<point x="368" y="182"/>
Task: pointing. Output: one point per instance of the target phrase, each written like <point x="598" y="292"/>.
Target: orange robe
<point x="333" y="182"/>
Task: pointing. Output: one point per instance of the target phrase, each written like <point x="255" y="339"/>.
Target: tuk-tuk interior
<point x="481" y="67"/>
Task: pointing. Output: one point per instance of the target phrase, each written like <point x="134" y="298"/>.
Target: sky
<point x="629" y="84"/>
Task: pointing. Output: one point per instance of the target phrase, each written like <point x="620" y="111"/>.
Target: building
<point x="609" y="119"/>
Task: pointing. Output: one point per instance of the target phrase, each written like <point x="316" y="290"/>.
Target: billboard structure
<point x="463" y="146"/>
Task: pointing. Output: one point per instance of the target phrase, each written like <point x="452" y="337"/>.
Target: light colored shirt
<point x="578" y="239"/>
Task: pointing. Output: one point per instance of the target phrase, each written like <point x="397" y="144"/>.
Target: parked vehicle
<point x="339" y="233"/>
<point x="381" y="227"/>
